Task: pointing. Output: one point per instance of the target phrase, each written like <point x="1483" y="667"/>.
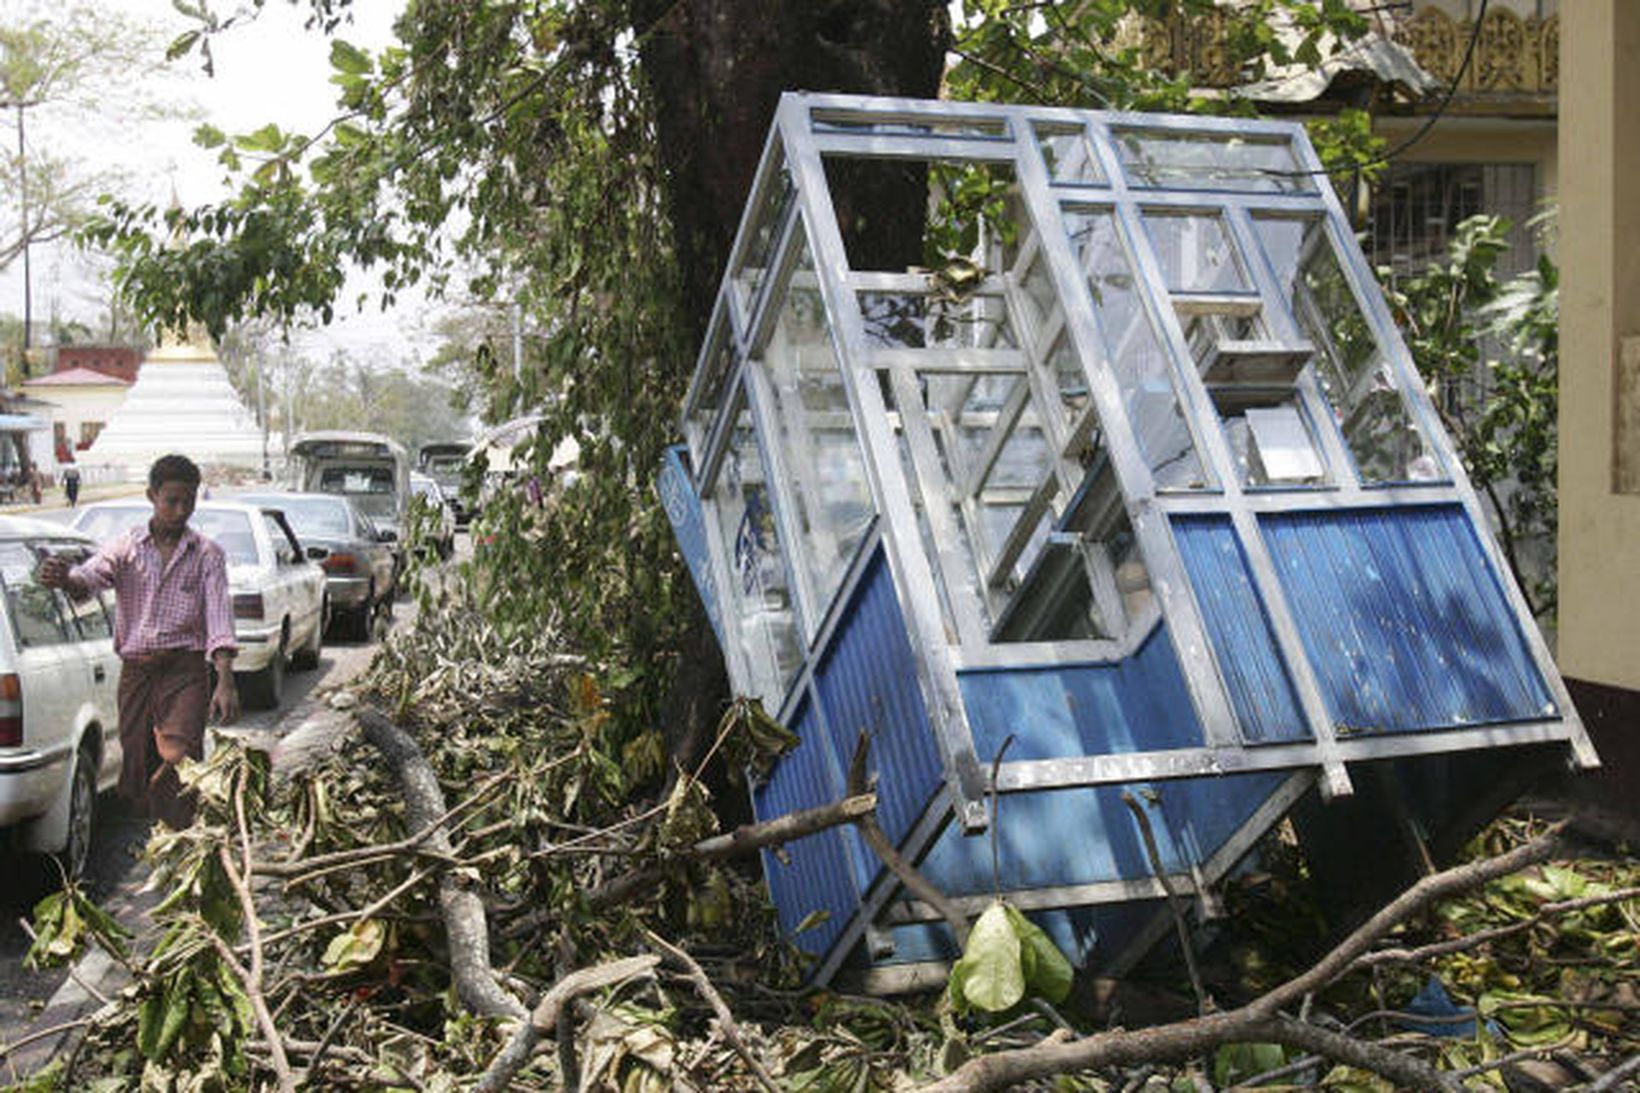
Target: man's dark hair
<point x="173" y="468"/>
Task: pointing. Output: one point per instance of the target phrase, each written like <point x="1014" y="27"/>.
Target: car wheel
<point x="82" y="812"/>
<point x="307" y="657"/>
<point x="263" y="688"/>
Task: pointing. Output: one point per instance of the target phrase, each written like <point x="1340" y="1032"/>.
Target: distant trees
<point x="63" y="71"/>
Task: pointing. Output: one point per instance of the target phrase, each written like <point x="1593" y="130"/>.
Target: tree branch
<point x="463" y="911"/>
<point x="726" y="1020"/>
<point x="544" y="1019"/>
<point x="1259" y="1020"/>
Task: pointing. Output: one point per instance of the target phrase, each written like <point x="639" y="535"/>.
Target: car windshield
<point x="104" y="523"/>
<point x="370" y="487"/>
<point x="310" y="515"/>
<point x="231" y="530"/>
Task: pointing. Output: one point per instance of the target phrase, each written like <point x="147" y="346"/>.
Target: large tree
<point x="588" y="161"/>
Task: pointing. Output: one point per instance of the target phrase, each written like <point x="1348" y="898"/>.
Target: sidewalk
<point x="53" y="498"/>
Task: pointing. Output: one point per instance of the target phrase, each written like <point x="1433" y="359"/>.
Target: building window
<point x="88" y="433"/>
<point x="1417" y="207"/>
<point x="1416" y="210"/>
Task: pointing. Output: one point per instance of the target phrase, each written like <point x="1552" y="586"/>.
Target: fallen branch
<point x="726" y="1020"/>
<point x="303" y="869"/>
<point x="1261" y="1019"/>
<point x="881" y="845"/>
<point x="1481" y="937"/>
<point x="463" y="912"/>
<point x="544" y="1019"/>
<point x="1175" y="906"/>
<point x="240" y="879"/>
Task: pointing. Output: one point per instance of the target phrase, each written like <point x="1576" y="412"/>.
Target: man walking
<point x="71" y="484"/>
<point x="172" y="615"/>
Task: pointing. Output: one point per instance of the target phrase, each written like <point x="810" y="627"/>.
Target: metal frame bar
<point x="911" y="568"/>
<point x="1113" y="769"/>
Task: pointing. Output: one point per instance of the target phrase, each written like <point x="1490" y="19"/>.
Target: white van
<point x="372" y="469"/>
<point x="59" y="680"/>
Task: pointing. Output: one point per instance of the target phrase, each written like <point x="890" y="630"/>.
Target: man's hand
<point x="225" y="696"/>
<point x="54" y="572"/>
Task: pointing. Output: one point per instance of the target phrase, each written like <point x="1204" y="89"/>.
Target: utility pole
<point x="22" y="105"/>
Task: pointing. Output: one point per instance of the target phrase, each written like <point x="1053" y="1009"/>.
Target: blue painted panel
<point x="1052" y="838"/>
<point x="688" y="519"/>
<point x="1070" y="710"/>
<point x="818" y="875"/>
<point x="1403" y="620"/>
<point x="867" y="682"/>
<point x="1239" y="631"/>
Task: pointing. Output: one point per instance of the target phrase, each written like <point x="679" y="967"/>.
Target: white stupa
<point x="182" y="402"/>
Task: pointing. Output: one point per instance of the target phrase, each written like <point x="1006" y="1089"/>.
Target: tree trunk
<point x="717" y="68"/>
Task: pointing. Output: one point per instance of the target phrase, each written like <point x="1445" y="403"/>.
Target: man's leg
<point x="136" y="694"/>
<point x="182" y="702"/>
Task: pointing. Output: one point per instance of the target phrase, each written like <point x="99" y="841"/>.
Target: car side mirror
<point x="387" y="535"/>
<point x="317" y="554"/>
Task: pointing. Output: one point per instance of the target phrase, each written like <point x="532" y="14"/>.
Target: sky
<point x="270" y="70"/>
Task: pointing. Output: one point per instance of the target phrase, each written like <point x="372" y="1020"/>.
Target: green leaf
<point x="269" y="138"/>
<point x="181" y="44"/>
<point x="1048" y="974"/>
<point x="209" y="136"/>
<point x="348" y="58"/>
<point x="356" y="946"/>
<point x="994" y="977"/>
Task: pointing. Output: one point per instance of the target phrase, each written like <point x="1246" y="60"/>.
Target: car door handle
<point x="98" y="673"/>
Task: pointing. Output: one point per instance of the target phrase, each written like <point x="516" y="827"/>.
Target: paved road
<point x="30" y="1000"/>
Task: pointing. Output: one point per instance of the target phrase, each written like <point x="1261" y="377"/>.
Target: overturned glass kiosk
<point x="1075" y="456"/>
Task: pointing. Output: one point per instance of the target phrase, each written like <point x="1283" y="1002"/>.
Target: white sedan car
<point x="279" y="603"/>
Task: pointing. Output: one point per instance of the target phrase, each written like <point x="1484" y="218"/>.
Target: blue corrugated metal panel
<point x="1048" y="839"/>
<point x="1403" y="619"/>
<point x="1067" y="711"/>
<point x="818" y="875"/>
<point x="1239" y="630"/>
<point x="867" y="682"/>
<point x="689" y="526"/>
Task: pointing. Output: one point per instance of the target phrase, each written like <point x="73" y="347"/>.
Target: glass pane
<point x="838" y="121"/>
<point x="826" y="488"/>
<point x="1353" y="374"/>
<point x="1200" y="161"/>
<point x="1068" y="155"/>
<point x="231" y="531"/>
<point x="1195" y="253"/>
<point x="1039" y="302"/>
<point x="714" y="374"/>
<point x="1271" y="438"/>
<point x="761" y="598"/>
<point x="764" y="235"/>
<point x="32" y="605"/>
<point x="1069" y="379"/>
<point x="907" y="320"/>
<point x="1136" y="355"/>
